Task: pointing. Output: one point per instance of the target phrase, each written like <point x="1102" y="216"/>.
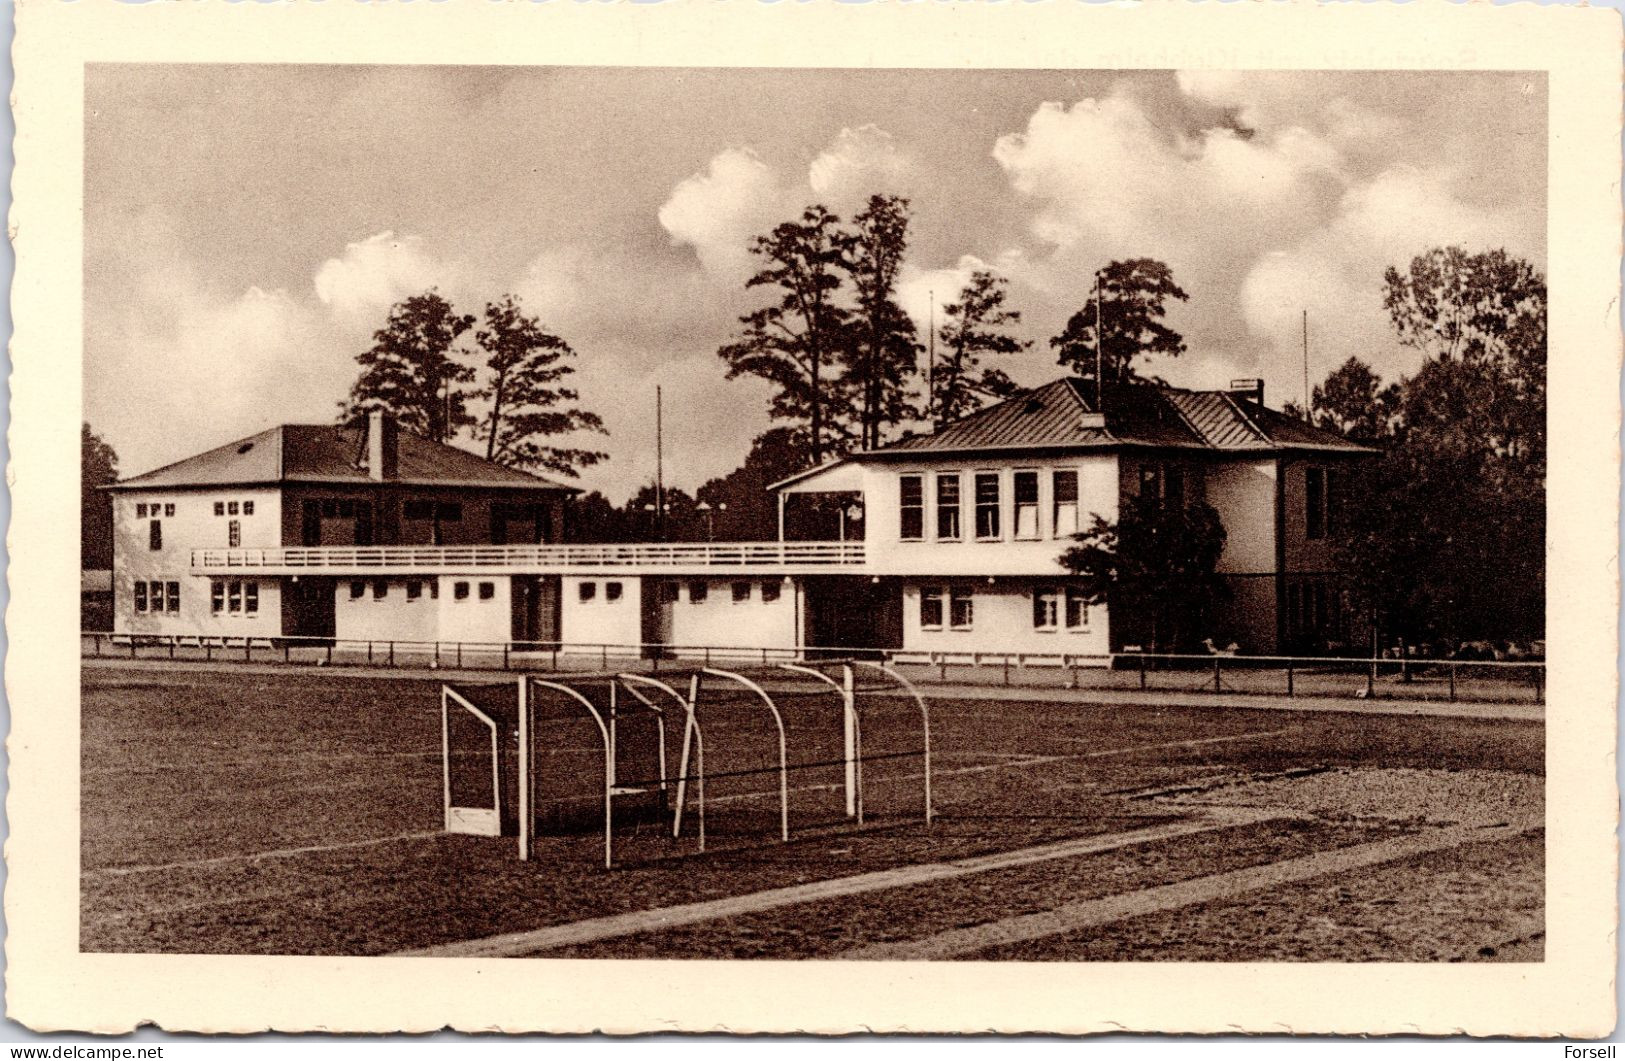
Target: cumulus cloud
<point x="376" y="273"/>
<point x="717" y="212"/>
<point x="859" y="163"/>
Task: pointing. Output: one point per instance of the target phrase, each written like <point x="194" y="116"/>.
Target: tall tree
<point x="795" y="342"/>
<point x="1133" y="300"/>
<point x="742" y="508"/>
<point x="1156" y="567"/>
<point x="529" y="402"/>
<point x="885" y="352"/>
<point x="412" y="370"/>
<point x="972" y="328"/>
<point x="1354" y="403"/>
<point x="98" y="467"/>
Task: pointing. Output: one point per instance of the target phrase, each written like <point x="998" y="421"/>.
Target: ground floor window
<point x="955" y="604"/>
<point x="1077" y="609"/>
<point x="587" y="591"/>
<point x="612" y="591"/>
<point x="156" y="597"/>
<point x="741" y="592"/>
<point x="233" y="596"/>
<point x="668" y="593"/>
<point x="488" y="590"/>
<point x="770" y="592"/>
<point x="931" y="608"/>
<point x="961" y="609"/>
<point x="697" y="592"/>
<point x="1046" y="608"/>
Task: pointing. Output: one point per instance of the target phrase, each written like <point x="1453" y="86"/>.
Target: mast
<point x="1097" y="345"/>
<point x="1306" y="411"/>
<point x="931" y="360"/>
<point x="660" y="470"/>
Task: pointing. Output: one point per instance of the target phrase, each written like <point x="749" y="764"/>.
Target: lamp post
<point x="710" y="511"/>
<point x="659" y="512"/>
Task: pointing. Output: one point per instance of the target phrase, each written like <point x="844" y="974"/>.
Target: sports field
<point x="300" y="813"/>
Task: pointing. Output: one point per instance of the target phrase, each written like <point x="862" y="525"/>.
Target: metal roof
<point x="318" y="453"/>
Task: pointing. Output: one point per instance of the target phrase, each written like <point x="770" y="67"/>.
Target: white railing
<point x="687" y="556"/>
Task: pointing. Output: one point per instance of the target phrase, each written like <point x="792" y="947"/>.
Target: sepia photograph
<point x="679" y="513"/>
<point x="665" y="517"/>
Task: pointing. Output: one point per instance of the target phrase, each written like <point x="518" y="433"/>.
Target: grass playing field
<point x="300" y="813"/>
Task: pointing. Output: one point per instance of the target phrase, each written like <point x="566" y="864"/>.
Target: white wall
<point x="473" y="619"/>
<point x="394" y="617"/>
<point x="889" y="554"/>
<point x="1243" y="494"/>
<point x="193" y="526"/>
<point x="1002" y="622"/>
<point x="721" y="621"/>
<point x="601" y="621"/>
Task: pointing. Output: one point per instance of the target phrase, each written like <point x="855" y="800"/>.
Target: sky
<point x="248" y="227"/>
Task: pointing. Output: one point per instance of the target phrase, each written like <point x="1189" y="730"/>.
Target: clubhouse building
<point x="373" y="533"/>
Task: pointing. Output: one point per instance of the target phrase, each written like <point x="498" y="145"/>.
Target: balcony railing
<point x="785" y="557"/>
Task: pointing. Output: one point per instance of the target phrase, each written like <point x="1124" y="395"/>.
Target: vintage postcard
<point x="894" y="517"/>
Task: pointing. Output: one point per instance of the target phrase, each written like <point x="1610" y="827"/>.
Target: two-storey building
<point x="953" y="544"/>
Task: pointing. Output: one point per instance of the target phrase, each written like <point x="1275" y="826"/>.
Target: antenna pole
<point x="660" y="470"/>
<point x="1306" y="411"/>
<point x="1097" y="344"/>
<point x="931" y="360"/>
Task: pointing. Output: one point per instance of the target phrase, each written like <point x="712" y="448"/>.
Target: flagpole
<point x="1097" y="345"/>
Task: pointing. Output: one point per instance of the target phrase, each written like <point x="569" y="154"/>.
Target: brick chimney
<point x="1250" y="389"/>
<point x="383" y="436"/>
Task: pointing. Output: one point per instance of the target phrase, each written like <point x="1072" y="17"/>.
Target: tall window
<point x="948" y="507"/>
<point x="1065" y="485"/>
<point x="248" y="508"/>
<point x="217" y="597"/>
<point x="931" y="608"/>
<point x="1026" y="490"/>
<point x="141" y="596"/>
<point x="251" y="597"/>
<point x="172" y="595"/>
<point x="911" y="508"/>
<point x="1314" y="499"/>
<point x="987" y="506"/>
<point x="234" y="597"/>
<point x="234" y="533"/>
<point x="231" y="508"/>
<point x="155" y="535"/>
<point x="741" y="592"/>
<point x="1046" y="608"/>
<point x="1077" y="609"/>
<point x="961" y="609"/>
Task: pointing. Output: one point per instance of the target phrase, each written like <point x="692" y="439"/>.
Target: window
<point x="169" y="509"/>
<point x="459" y="590"/>
<point x="1046" y="608"/>
<point x="911" y="507"/>
<point x="414" y="590"/>
<point x="248" y="508"/>
<point x="1064" y="483"/>
<point x="1314" y="500"/>
<point x="1026" y="491"/>
<point x="231" y="508"/>
<point x="697" y="592"/>
<point x="234" y="533"/>
<point x="948" y="507"/>
<point x="140" y="596"/>
<point x="217" y="597"/>
<point x="172" y="596"/>
<point x="488" y="590"/>
<point x="155" y="535"/>
<point x="434" y="589"/>
<point x="1173" y="487"/>
<point x="987" y="506"/>
<point x="587" y="591"/>
<point x="961" y="609"/>
<point x="141" y="511"/>
<point x="357" y="590"/>
<point x="234" y="597"/>
<point x="220" y="508"/>
<point x="380" y="589"/>
<point x="448" y="512"/>
<point x="741" y="592"/>
<point x="668" y="593"/>
<point x="1150" y="478"/>
<point x="417" y="510"/>
<point x="770" y="592"/>
<point x="931" y="608"/>
<point x="612" y="591"/>
<point x="1077" y="609"/>
<point x="251" y="597"/>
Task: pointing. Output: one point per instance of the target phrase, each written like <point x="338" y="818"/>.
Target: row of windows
<point x="699" y="592"/>
<point x="157" y="597"/>
<point x="988" y="507"/>
<point x="955" y="608"/>
<point x="588" y="591"/>
<point x="234" y="596"/>
<point x="415" y="587"/>
<point x="229" y="508"/>
<point x="145" y="509"/>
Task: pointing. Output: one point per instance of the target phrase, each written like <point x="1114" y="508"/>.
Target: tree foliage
<point x="1354" y="403"/>
<point x="413" y="372"/>
<point x="529" y="402"/>
<point x="973" y="328"/>
<point x="98" y="467"/>
<point x="1133" y="301"/>
<point x="796" y="341"/>
<point x="883" y="355"/>
<point x="1155" y="566"/>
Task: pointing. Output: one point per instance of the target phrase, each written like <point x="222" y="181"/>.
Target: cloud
<point x="859" y="163"/>
<point x="718" y="211"/>
<point x="378" y="272"/>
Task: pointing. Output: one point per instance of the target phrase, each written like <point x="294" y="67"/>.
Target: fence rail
<point x="420" y="559"/>
<point x="1290" y="676"/>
